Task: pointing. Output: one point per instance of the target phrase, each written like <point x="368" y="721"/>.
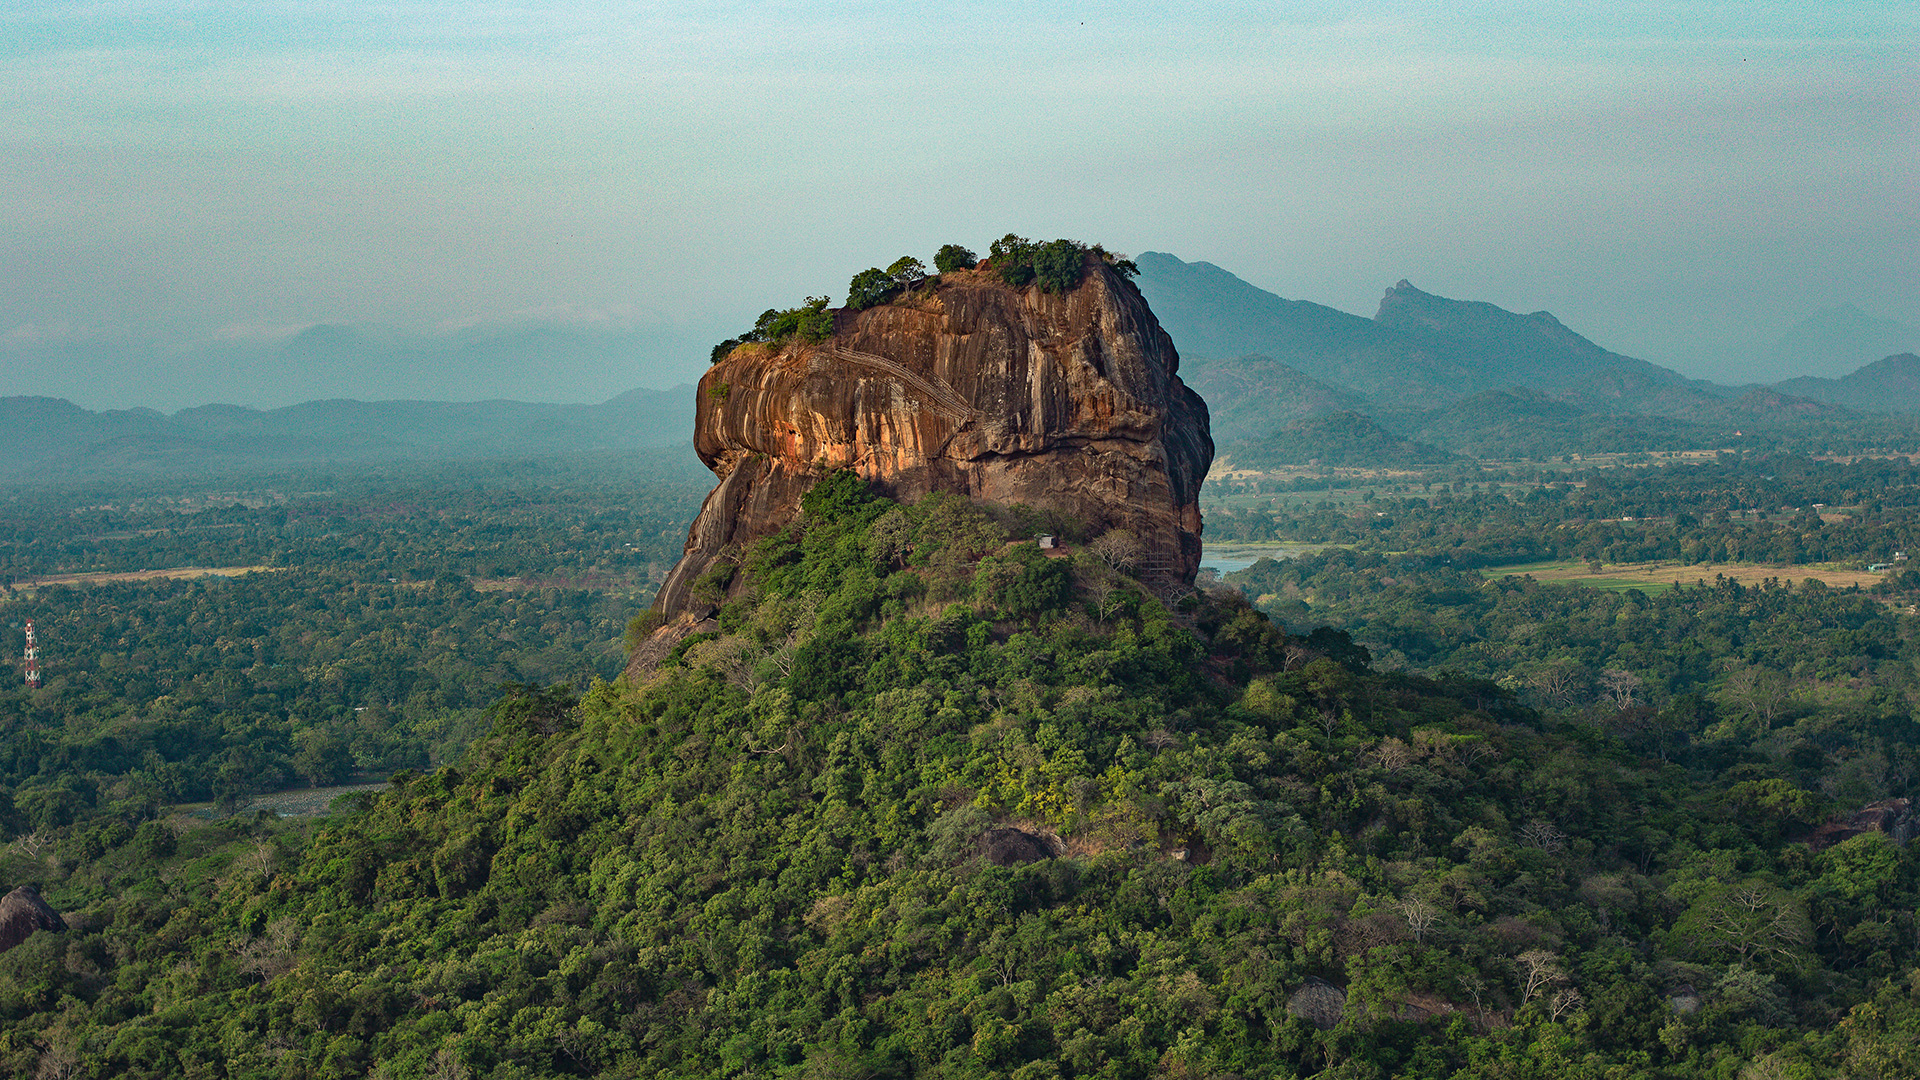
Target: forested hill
<point x="929" y="803"/>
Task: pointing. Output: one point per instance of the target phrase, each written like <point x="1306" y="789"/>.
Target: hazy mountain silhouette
<point x="1338" y="438"/>
<point x="51" y="435"/>
<point x="1254" y="395"/>
<point x="1891" y="385"/>
<point x="1419" y="350"/>
<point x="1834" y="342"/>
<point x="1473" y="378"/>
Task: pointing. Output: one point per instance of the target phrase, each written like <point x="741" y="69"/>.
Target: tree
<point x="1539" y="971"/>
<point x="1058" y="265"/>
<point x="811" y="321"/>
<point x="1420" y="915"/>
<point x="1118" y="548"/>
<point x="906" y="270"/>
<point x="1012" y="258"/>
<point x="1761" y="693"/>
<point x="1750" y="921"/>
<point x="1622" y="686"/>
<point x="323" y="757"/>
<point x="1558" y="682"/>
<point x="869" y="287"/>
<point x="953" y="257"/>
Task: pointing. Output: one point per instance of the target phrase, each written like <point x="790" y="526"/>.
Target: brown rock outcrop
<point x="22" y="911"/>
<point x="1068" y="401"/>
<point x="1894" y="817"/>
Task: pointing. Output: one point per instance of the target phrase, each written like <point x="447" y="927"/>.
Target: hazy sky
<point x="183" y="186"/>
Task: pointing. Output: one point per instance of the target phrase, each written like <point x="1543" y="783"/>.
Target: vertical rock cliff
<point x="1067" y="401"/>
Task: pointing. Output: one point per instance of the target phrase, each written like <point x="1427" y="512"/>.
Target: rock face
<point x="21" y="913"/>
<point x="1319" y="1003"/>
<point x="1065" y="401"/>
<point x="1894" y="817"/>
<point x="1011" y="847"/>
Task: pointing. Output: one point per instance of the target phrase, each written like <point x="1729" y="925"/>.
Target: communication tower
<point x="33" y="658"/>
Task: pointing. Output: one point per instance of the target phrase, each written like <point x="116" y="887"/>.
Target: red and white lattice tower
<point x="33" y="658"/>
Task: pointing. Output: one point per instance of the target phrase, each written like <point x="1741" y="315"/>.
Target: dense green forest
<point x="1776" y="508"/>
<point x="927" y="803"/>
<point x="388" y="609"/>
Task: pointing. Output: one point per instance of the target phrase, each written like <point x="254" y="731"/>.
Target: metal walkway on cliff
<point x="943" y="398"/>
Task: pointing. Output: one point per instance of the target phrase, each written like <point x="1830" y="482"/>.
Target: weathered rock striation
<point x="1067" y="401"/>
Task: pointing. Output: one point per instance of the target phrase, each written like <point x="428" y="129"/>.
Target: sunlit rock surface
<point x="1066" y="401"/>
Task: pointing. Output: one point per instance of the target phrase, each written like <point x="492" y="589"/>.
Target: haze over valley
<point x="959" y="542"/>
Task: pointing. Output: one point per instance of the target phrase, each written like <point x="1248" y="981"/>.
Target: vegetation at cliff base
<point x="928" y="802"/>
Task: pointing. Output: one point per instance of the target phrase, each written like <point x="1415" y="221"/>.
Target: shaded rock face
<point x="1894" y="817"/>
<point x="1068" y="401"/>
<point x="1011" y="847"/>
<point x="22" y="911"/>
<point x="1318" y="1003"/>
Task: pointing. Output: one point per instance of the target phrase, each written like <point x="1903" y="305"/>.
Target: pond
<point x="1226" y="558"/>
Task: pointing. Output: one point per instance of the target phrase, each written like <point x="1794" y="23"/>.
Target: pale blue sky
<point x="183" y="185"/>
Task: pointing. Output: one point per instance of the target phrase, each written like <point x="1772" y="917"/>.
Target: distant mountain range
<point x="51" y="435"/>
<point x="1473" y="378"/>
<point x="1889" y="385"/>
<point x="1286" y="381"/>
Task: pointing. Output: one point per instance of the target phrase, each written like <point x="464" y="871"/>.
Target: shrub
<point x="1121" y="265"/>
<point x="869" y="287"/>
<point x="1024" y="583"/>
<point x="841" y="494"/>
<point x="953" y="257"/>
<point x="906" y="269"/>
<point x="712" y="585"/>
<point x="1059" y="264"/>
<point x="809" y="322"/>
<point x="1013" y="259"/>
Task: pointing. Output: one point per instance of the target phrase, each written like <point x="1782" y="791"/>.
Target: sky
<point x="187" y="190"/>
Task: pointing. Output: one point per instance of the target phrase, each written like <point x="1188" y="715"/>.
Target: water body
<point x="1226" y="558"/>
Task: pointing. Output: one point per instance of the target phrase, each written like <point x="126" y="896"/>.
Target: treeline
<point x="1816" y="677"/>
<point x="414" y="523"/>
<point x="393" y="609"/>
<point x="930" y="804"/>
<point x="1785" y="510"/>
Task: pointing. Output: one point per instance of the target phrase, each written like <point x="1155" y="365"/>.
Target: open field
<point x="1659" y="576"/>
<point x="309" y="802"/>
<point x="292" y="802"/>
<point x="28" y="585"/>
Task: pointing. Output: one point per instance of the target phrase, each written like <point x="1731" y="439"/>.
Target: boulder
<point x="1010" y="847"/>
<point x="22" y="911"/>
<point x="1319" y="1003"/>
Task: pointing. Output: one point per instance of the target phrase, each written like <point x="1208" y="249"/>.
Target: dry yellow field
<point x="1654" y="576"/>
<point x="183" y="572"/>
